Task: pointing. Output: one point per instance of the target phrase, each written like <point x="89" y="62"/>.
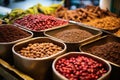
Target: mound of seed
<point x="73" y="35"/>
<point x="39" y="50"/>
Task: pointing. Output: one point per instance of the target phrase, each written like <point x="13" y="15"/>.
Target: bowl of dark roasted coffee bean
<point x="107" y="47"/>
<point x="80" y="66"/>
<point x="38" y="53"/>
<point x="9" y="35"/>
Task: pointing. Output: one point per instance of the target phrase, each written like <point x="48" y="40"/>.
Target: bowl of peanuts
<point x="80" y="66"/>
<point x="34" y="56"/>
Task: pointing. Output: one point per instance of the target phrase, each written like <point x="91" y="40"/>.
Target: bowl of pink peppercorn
<point x="80" y="66"/>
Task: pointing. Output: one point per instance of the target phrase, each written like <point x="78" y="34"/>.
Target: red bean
<point x="80" y="68"/>
<point x="40" y="22"/>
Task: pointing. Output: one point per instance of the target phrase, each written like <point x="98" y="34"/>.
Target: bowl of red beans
<point x="80" y="66"/>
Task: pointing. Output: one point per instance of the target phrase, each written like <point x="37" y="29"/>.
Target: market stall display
<point x="92" y="16"/>
<point x="67" y="31"/>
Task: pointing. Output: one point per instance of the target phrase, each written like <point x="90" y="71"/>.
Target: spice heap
<point x="40" y="22"/>
<point x="80" y="68"/>
<point x="73" y="35"/>
<point x="86" y="14"/>
<point x="39" y="50"/>
<point x="117" y="33"/>
<point x="109" y="51"/>
<point x="11" y="33"/>
<point x="107" y="23"/>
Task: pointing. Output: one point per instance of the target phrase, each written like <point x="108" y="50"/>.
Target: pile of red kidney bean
<point x="40" y="22"/>
<point x="80" y="68"/>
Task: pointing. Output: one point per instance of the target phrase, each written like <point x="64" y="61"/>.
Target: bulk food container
<point x="67" y="31"/>
<point x="6" y="47"/>
<point x="71" y="56"/>
<point x="38" y="68"/>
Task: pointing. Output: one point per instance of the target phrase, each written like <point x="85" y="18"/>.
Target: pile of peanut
<point x="39" y="50"/>
<point x="82" y="14"/>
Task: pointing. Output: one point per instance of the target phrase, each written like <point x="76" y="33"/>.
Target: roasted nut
<point x="39" y="50"/>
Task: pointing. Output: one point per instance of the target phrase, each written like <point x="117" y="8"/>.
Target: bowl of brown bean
<point x="74" y="35"/>
<point x="80" y="66"/>
<point x="35" y="56"/>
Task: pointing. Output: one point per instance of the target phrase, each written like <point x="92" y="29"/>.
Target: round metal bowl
<point x="6" y="47"/>
<point x="58" y="76"/>
<point x="38" y="68"/>
<point x="74" y="46"/>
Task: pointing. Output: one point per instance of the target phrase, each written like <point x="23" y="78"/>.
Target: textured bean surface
<point x="109" y="51"/>
<point x="39" y="50"/>
<point x="40" y="22"/>
<point x="80" y="68"/>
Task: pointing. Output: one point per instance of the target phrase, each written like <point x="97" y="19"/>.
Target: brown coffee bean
<point x="109" y="51"/>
